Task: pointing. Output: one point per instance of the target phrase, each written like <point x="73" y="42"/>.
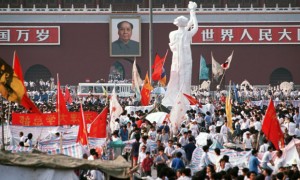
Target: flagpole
<point x="150" y="39"/>
<point x="58" y="112"/>
<point x="2" y="124"/>
<point x="222" y="78"/>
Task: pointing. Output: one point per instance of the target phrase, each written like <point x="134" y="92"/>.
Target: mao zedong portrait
<point x="124" y="45"/>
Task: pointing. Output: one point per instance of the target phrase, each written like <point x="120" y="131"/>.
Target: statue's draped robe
<point x="181" y="68"/>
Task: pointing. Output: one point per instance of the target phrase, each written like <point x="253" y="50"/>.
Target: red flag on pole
<point x="192" y="100"/>
<point x="25" y="101"/>
<point x="145" y="92"/>
<point x="68" y="97"/>
<point x="60" y="100"/>
<point x="98" y="126"/>
<point x="271" y="127"/>
<point x="158" y="67"/>
<point x="82" y="132"/>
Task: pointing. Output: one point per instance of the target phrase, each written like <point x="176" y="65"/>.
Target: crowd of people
<point x="172" y="155"/>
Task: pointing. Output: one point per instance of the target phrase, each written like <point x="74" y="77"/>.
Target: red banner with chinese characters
<point x="248" y="34"/>
<point x="29" y="35"/>
<point x="51" y="119"/>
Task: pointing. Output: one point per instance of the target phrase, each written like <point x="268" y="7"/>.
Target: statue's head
<point x="181" y="21"/>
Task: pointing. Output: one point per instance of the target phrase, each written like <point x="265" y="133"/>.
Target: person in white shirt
<point x="267" y="157"/>
<point x="22" y="137"/>
<point x="291" y="127"/>
<point x="205" y="160"/>
<point x="257" y="124"/>
<point x="218" y="158"/>
<point x="169" y="149"/>
<point x="296" y="117"/>
<point x="279" y="162"/>
<point x="224" y="131"/>
<point x="94" y="174"/>
<point x="142" y="154"/>
<point x="184" y="140"/>
<point x="247" y="142"/>
<point x="194" y="128"/>
<point x="244" y="125"/>
<point x="152" y="133"/>
<point x="264" y="147"/>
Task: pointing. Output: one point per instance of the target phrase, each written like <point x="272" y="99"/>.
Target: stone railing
<point x="162" y="10"/>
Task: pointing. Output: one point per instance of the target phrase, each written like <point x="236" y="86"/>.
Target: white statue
<point x="180" y="45"/>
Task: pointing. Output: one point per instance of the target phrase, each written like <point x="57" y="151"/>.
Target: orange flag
<point x="82" y="131"/>
<point x="98" y="126"/>
<point x="271" y="127"/>
<point x="192" y="100"/>
<point x="25" y="100"/>
<point x="145" y="92"/>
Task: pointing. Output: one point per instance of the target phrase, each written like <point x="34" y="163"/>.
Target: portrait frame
<point x="135" y="39"/>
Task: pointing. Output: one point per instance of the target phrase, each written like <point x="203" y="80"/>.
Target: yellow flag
<point x="228" y="109"/>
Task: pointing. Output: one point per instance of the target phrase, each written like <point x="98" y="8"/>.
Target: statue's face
<point x="181" y="21"/>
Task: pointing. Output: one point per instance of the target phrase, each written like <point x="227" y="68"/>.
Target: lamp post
<point x="2" y="123"/>
<point x="150" y="40"/>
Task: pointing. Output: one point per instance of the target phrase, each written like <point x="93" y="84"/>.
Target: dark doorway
<point x="37" y="72"/>
<point x="280" y="75"/>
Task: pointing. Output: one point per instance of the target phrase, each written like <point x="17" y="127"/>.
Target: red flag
<point x="158" y="67"/>
<point x="25" y="101"/>
<point x="98" y="126"/>
<point x="192" y="100"/>
<point x="68" y="97"/>
<point x="60" y="100"/>
<point x="145" y="92"/>
<point x="82" y="131"/>
<point x="271" y="127"/>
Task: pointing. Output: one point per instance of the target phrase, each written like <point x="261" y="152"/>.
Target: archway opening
<point x="37" y="72"/>
<point x="116" y="72"/>
<point x="280" y="75"/>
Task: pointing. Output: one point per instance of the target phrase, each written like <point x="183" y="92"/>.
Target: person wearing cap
<point x="247" y="142"/>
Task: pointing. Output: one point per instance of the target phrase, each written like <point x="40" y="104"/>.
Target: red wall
<point x="84" y="53"/>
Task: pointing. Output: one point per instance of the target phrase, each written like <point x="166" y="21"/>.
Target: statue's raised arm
<point x="193" y="23"/>
<point x="180" y="45"/>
